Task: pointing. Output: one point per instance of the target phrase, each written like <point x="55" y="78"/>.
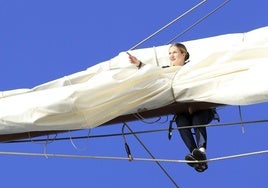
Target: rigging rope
<point x="134" y="158"/>
<point x="140" y="132"/>
<point x="86" y="144"/>
<point x="125" y="142"/>
<point x="241" y="119"/>
<point x="167" y="25"/>
<point x="152" y="156"/>
<point x="197" y="22"/>
<point x="45" y="142"/>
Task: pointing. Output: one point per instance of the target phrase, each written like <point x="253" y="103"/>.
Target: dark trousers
<point x="201" y="117"/>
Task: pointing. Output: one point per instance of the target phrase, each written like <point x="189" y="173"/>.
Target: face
<point x="176" y="57"/>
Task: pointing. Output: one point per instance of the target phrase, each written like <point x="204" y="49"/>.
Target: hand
<point x="133" y="59"/>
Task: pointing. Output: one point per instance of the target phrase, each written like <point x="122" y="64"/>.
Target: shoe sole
<point x="199" y="156"/>
<point x="191" y="158"/>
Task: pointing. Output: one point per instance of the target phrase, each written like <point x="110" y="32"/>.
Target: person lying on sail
<point x="179" y="56"/>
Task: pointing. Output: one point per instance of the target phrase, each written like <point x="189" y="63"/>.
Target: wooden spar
<point x="166" y="110"/>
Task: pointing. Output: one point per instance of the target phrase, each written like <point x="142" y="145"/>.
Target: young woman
<point x="179" y="56"/>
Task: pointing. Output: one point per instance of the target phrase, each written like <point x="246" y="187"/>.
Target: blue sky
<point x="44" y="40"/>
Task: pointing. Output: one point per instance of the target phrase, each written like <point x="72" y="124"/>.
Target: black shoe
<point x="200" y="156"/>
<point x="191" y="158"/>
<point x="194" y="163"/>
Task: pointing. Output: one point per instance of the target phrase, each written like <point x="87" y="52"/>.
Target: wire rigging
<point x="167" y="25"/>
<point x="139" y="132"/>
<point x="125" y="142"/>
<point x="152" y="156"/>
<point x="197" y="22"/>
<point x="261" y="152"/>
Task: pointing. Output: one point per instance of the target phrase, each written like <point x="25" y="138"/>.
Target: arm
<point x="135" y="61"/>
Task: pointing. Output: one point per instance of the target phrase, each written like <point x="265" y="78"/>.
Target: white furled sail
<point x="228" y="69"/>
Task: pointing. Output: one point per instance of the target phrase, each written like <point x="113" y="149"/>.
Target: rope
<point x="167" y="25"/>
<point x="197" y="22"/>
<point x="241" y="119"/>
<point x="155" y="57"/>
<point x="86" y="144"/>
<point x="125" y="142"/>
<point x="239" y="155"/>
<point x="42" y="141"/>
<point x="142" y="119"/>
<point x="28" y="154"/>
<point x="45" y="142"/>
<point x="152" y="156"/>
<point x="142" y="132"/>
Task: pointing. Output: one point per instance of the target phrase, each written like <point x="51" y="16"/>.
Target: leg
<point x="202" y="117"/>
<point x="186" y="134"/>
